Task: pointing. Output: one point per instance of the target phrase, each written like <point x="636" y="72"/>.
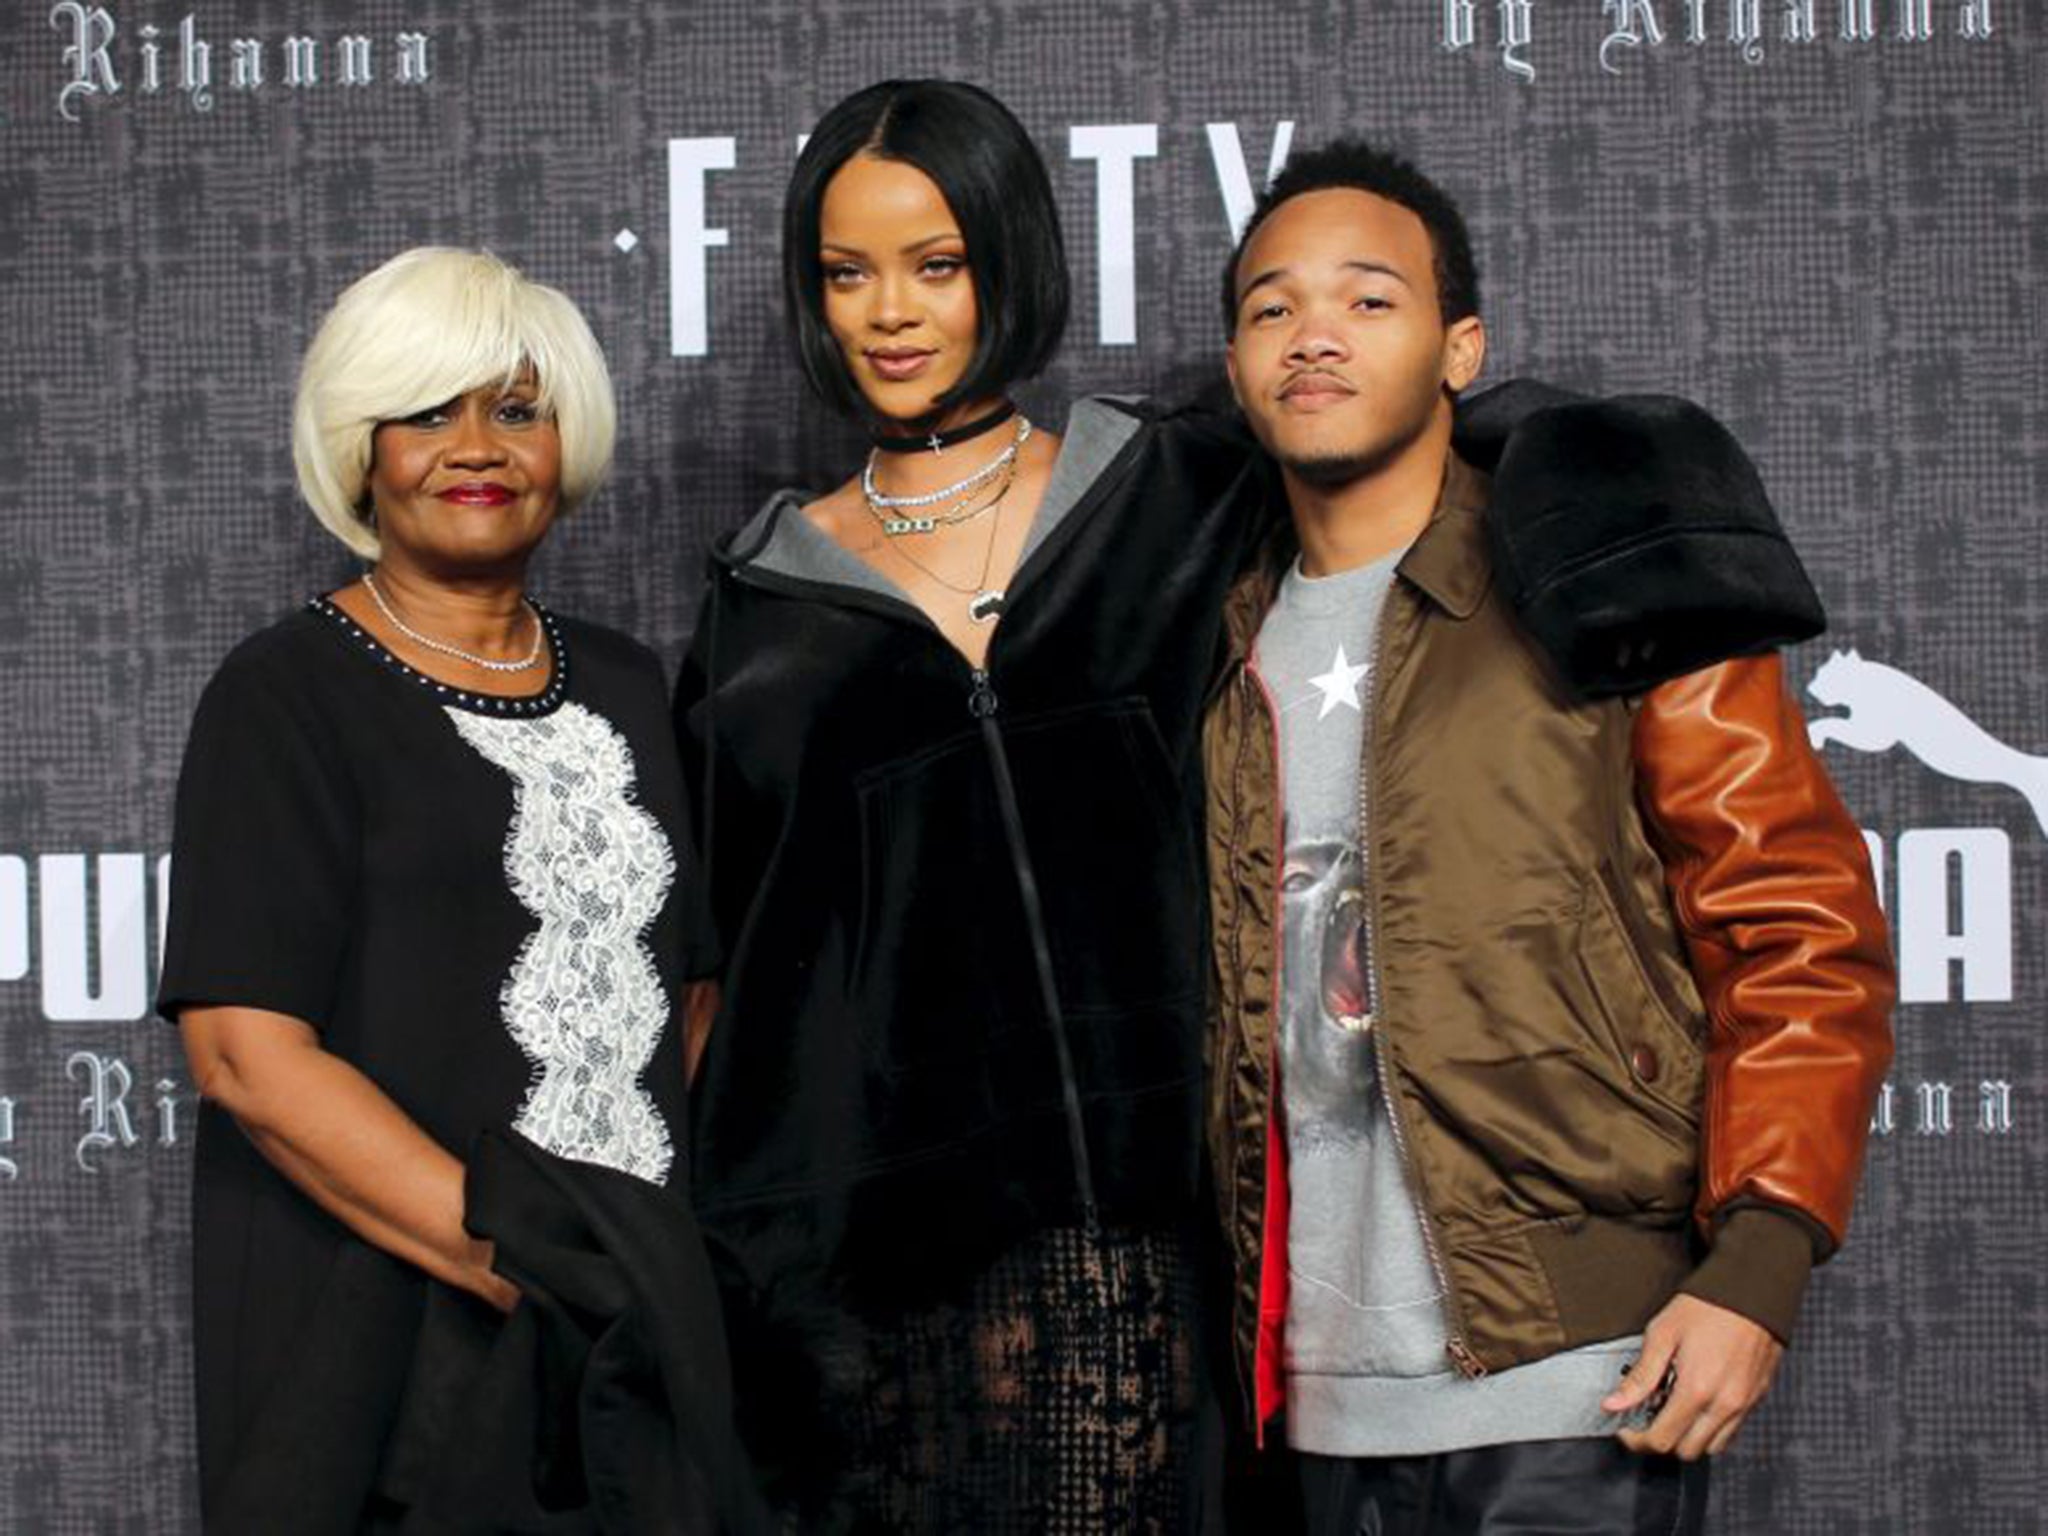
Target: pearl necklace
<point x="531" y="658"/>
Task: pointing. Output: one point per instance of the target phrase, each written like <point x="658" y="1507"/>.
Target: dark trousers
<point x="1593" y="1487"/>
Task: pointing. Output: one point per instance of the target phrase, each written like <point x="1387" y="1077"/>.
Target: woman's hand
<point x="700" y="1008"/>
<point x="338" y="1137"/>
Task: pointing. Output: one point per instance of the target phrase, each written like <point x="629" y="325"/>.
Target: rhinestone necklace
<point x="987" y="472"/>
<point x="976" y="503"/>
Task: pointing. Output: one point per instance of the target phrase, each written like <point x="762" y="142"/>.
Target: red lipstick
<point x="478" y="493"/>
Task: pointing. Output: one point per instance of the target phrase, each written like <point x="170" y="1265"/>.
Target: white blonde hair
<point x="429" y="325"/>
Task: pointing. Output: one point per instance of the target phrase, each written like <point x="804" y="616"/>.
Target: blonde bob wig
<point x="430" y="324"/>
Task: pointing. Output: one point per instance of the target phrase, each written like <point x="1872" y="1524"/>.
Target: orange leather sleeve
<point x="1772" y="888"/>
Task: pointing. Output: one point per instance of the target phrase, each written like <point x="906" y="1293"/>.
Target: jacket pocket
<point x="1112" y="840"/>
<point x="1651" y="1041"/>
<point x="933" y="972"/>
<point x="1683" y="1014"/>
<point x="941" y="965"/>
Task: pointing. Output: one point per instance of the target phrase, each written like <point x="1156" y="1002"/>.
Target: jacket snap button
<point x="1644" y="1060"/>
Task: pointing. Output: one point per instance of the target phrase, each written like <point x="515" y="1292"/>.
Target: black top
<point x="955" y="908"/>
<point x="476" y="901"/>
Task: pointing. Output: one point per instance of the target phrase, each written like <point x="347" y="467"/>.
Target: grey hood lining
<point x="1096" y="433"/>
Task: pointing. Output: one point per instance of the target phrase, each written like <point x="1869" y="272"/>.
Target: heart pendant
<point x="984" y="606"/>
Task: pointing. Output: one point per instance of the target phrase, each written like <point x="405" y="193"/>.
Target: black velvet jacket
<point x="961" y="911"/>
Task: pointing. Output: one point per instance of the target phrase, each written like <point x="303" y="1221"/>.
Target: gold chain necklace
<point x="976" y="503"/>
<point x="881" y="504"/>
<point x="984" y="603"/>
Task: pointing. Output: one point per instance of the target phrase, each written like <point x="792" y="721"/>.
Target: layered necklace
<point x="531" y="658"/>
<point x="972" y="496"/>
<point x="968" y="495"/>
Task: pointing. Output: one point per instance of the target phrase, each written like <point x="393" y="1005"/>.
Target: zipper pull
<point x="981" y="702"/>
<point x="1467" y="1363"/>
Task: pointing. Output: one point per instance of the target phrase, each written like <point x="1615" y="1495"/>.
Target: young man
<point x="1548" y="1030"/>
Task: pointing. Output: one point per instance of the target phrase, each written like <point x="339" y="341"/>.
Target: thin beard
<point x="1329" y="472"/>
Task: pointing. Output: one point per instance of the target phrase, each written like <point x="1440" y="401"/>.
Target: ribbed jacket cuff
<point x="1758" y="1266"/>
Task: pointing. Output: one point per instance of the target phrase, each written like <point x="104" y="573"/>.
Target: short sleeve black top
<point x="476" y="901"/>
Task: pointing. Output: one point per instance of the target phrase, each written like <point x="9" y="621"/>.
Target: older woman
<point x="426" y="885"/>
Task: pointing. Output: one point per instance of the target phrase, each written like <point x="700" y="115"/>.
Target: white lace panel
<point x="583" y="998"/>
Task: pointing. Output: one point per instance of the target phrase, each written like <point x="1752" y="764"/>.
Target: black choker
<point x="935" y="441"/>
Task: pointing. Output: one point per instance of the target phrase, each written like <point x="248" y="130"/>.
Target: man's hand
<point x="1721" y="1365"/>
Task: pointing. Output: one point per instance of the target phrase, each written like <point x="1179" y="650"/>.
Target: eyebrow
<point x="915" y="245"/>
<point x="1274" y="274"/>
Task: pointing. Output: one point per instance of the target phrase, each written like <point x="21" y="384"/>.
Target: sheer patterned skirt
<point x="1062" y="1397"/>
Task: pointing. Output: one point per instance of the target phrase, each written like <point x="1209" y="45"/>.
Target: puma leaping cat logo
<point x="1889" y="708"/>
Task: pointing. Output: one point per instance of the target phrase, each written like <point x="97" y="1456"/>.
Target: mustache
<point x="1303" y="375"/>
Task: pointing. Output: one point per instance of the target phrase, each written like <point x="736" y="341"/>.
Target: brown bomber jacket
<point x="1630" y="978"/>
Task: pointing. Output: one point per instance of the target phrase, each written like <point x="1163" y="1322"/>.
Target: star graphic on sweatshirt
<point x="1339" y="685"/>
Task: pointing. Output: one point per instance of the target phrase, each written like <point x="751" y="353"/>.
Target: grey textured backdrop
<point x="1837" y="243"/>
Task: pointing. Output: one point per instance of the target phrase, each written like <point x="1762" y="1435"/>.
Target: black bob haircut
<point x="991" y="176"/>
<point x="1361" y="167"/>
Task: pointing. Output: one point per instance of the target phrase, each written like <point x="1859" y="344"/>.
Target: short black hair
<point x="1363" y="167"/>
<point x="993" y="179"/>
